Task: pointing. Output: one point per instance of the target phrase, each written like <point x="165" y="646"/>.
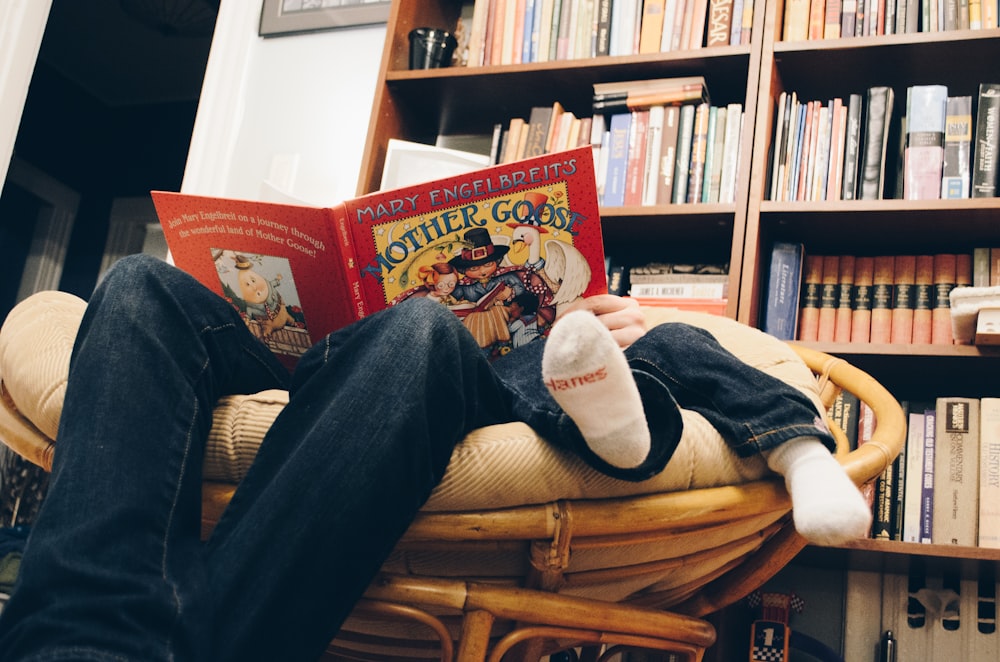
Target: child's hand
<point x="620" y="315"/>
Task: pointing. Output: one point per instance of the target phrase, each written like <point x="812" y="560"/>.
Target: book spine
<point x="879" y="110"/>
<point x="923" y="299"/>
<point x="955" y="181"/>
<point x="781" y="315"/>
<point x="668" y="155"/>
<point x="861" y="299"/>
<point x="845" y="289"/>
<point x="903" y="298"/>
<point x="944" y="282"/>
<point x="699" y="142"/>
<point x="852" y="148"/>
<point x="812" y="285"/>
<point x="828" y="298"/>
<point x="882" y="295"/>
<point x="989" y="473"/>
<point x="914" y="474"/>
<point x="923" y="154"/>
<point x="720" y="22"/>
<point x="614" y="186"/>
<point x="683" y="161"/>
<point x="603" y="27"/>
<point x="636" y="161"/>
<point x="352" y="268"/>
<point x="927" y="487"/>
<point x="956" y="471"/>
<point x="796" y="25"/>
<point x="654" y="145"/>
<point x="984" y="172"/>
<point x="731" y="152"/>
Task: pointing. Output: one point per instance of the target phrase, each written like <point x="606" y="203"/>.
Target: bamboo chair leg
<point x="475" y="639"/>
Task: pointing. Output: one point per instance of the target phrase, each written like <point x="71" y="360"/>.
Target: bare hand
<point x="621" y="316"/>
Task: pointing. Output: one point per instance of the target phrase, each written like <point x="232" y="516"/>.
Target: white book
<point x="731" y="152"/>
<point x="989" y="473"/>
<point x="956" y="472"/>
<point x="914" y="476"/>
<point x="651" y="171"/>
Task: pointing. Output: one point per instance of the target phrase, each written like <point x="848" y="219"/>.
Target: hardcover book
<point x="861" y="299"/>
<point x="956" y="472"/>
<point x="782" y="309"/>
<point x="503" y="247"/>
<point x="989" y="473"/>
<point x="812" y="286"/>
<point x="878" y="113"/>
<point x="984" y="171"/>
<point x="923" y="156"/>
<point x="957" y="147"/>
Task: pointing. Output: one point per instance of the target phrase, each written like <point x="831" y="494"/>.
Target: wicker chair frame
<point x="717" y="545"/>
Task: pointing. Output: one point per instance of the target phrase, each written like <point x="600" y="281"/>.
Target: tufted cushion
<point x="496" y="466"/>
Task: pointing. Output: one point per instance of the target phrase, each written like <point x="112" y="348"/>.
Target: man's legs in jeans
<point x="114" y="568"/>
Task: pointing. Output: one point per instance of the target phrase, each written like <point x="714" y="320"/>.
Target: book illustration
<point x="504" y="284"/>
<point x="262" y="289"/>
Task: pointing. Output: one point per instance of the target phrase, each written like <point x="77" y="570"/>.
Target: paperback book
<point x="503" y="247"/>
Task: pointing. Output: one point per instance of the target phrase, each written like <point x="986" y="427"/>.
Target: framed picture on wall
<point x="282" y="17"/>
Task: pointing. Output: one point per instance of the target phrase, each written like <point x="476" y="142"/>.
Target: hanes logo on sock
<point x="580" y="380"/>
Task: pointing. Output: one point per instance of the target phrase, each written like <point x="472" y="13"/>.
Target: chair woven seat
<point x="523" y="549"/>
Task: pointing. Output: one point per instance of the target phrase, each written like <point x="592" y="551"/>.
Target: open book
<point x="504" y="247"/>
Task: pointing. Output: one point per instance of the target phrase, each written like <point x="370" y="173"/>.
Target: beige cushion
<point x="494" y="466"/>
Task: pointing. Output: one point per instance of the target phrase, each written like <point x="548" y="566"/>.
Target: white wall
<point x="298" y="104"/>
<point x="22" y="23"/>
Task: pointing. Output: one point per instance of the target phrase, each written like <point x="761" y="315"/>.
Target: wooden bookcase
<point x="420" y="105"/>
<point x="822" y="69"/>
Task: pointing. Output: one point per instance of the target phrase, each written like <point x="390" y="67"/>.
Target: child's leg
<point x="753" y="411"/>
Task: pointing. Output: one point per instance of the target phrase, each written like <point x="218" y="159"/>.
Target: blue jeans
<point x="114" y="568"/>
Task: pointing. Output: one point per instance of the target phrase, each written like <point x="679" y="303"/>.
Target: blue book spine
<point x="784" y="284"/>
<point x="614" y="184"/>
<point x="529" y="42"/>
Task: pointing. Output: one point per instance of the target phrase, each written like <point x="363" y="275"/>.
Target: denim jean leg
<point x="521" y="373"/>
<point x="113" y="567"/>
<point x="374" y="413"/>
<point x="752" y="410"/>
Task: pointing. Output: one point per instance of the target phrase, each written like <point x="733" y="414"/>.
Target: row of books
<point x="670" y="155"/>
<point x="698" y="287"/>
<point x="520" y="31"/>
<point x="839" y="149"/>
<point x="944" y="487"/>
<point x="834" y="19"/>
<point x="896" y="299"/>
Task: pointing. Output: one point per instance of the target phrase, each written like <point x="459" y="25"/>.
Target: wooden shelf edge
<point x="907" y="39"/>
<point x="920" y="549"/>
<point x="589" y="64"/>
<point x="878" y="349"/>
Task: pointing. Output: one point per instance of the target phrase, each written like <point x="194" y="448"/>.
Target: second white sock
<point x="827" y="508"/>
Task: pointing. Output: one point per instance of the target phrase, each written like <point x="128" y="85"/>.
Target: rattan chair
<point x="596" y="572"/>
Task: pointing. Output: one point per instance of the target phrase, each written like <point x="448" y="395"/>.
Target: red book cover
<point x="882" y="288"/>
<point x="842" y="321"/>
<point x="903" y="298"/>
<point x="923" y="299"/>
<point x="812" y="285"/>
<point x="944" y="281"/>
<point x="296" y="273"/>
<point x="828" y="298"/>
<point x="861" y="299"/>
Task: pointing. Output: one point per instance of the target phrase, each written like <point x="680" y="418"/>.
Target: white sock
<point x="587" y="374"/>
<point x="827" y="508"/>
